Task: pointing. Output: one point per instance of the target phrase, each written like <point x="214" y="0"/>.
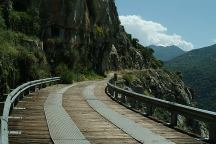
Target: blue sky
<point x="186" y="23"/>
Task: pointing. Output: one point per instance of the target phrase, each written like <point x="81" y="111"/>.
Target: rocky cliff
<point x="163" y="85"/>
<point x="76" y="36"/>
<point x="84" y="34"/>
<point x="88" y="35"/>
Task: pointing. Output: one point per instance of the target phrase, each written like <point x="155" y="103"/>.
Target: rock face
<point x="163" y="85"/>
<point x="88" y="35"/>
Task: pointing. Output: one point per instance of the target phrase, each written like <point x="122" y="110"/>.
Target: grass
<point x="69" y="76"/>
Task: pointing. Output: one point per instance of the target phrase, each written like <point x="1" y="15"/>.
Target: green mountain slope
<point x="199" y="72"/>
<point x="166" y="53"/>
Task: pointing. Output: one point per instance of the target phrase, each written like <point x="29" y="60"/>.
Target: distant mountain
<point x="199" y="72"/>
<point x="166" y="53"/>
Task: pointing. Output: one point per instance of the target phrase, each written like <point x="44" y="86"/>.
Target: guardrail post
<point x="33" y="88"/>
<point x="23" y="95"/>
<point x="123" y="98"/>
<point x="118" y="97"/>
<point x="212" y="132"/>
<point x="126" y="100"/>
<point x="132" y="102"/>
<point x="149" y="110"/>
<point x="29" y="91"/>
<point x="174" y="118"/>
<point x="115" y="95"/>
<point x="136" y="105"/>
<point x="110" y="91"/>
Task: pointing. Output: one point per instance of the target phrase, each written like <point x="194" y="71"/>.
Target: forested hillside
<point x="166" y="53"/>
<point x="199" y="72"/>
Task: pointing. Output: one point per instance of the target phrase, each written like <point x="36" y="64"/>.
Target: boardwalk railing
<point x="120" y="95"/>
<point x="14" y="97"/>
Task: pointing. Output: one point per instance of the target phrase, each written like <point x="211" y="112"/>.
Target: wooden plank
<point x="94" y="127"/>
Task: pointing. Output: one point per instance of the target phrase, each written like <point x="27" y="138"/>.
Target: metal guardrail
<point x="13" y="98"/>
<point x="121" y="95"/>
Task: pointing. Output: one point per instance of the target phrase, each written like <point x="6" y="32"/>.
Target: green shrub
<point x="19" y="64"/>
<point x="2" y="22"/>
<point x="32" y="64"/>
<point x="91" y="75"/>
<point x="128" y="78"/>
<point x="20" y="21"/>
<point x="98" y="30"/>
<point x="25" y="22"/>
<point x="66" y="75"/>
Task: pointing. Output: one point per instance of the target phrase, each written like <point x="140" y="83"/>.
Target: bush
<point x="19" y="64"/>
<point x="128" y="78"/>
<point x="24" y="22"/>
<point x="66" y="75"/>
<point x="98" y="30"/>
<point x="2" y="22"/>
<point x="20" y="21"/>
<point x="91" y="75"/>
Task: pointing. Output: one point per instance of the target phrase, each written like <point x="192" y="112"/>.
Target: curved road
<point x="82" y="113"/>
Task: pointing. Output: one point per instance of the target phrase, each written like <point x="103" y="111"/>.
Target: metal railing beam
<point x="175" y="109"/>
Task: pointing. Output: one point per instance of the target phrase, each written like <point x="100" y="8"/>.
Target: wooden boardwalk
<point x="31" y="126"/>
<point x="28" y="123"/>
<point x="94" y="127"/>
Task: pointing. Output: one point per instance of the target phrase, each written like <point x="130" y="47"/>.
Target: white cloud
<point x="149" y="32"/>
<point x="214" y="40"/>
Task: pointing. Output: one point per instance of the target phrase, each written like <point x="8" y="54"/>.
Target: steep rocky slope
<point x="163" y="85"/>
<point x="77" y="36"/>
<point x="160" y="84"/>
<point x="88" y="35"/>
<point x="85" y="35"/>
